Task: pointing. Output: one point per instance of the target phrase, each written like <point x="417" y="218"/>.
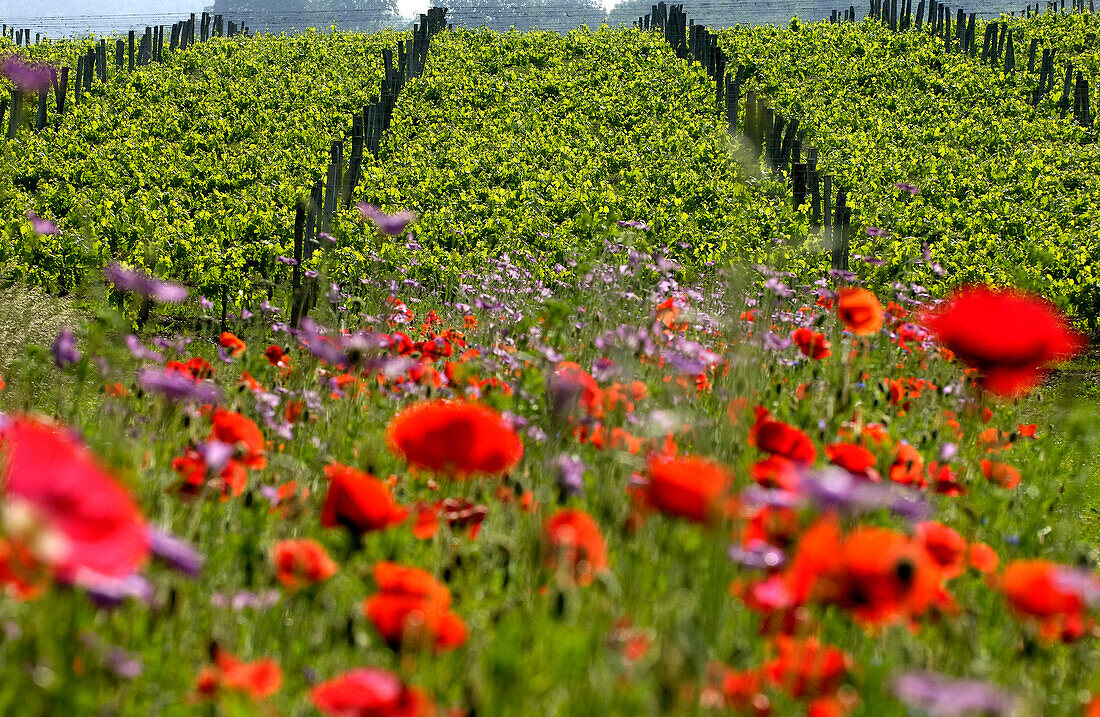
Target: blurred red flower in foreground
<point x="370" y="692"/>
<point x="412" y="607"/>
<point x="689" y="487"/>
<point x="573" y="537"/>
<point x="1053" y="594"/>
<point x="258" y="680"/>
<point x="456" y="438"/>
<point x="1010" y="336"/>
<point x="358" y="501"/>
<point x="301" y="563"/>
<point x="63" y="507"/>
<point x="805" y="667"/>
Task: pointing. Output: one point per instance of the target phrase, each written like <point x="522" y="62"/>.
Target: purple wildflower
<point x="836" y="488"/>
<point x="27" y="76"/>
<point x="146" y="285"/>
<point x="64" y="349"/>
<point x="876" y="232"/>
<point x="391" y="224"/>
<point x="177" y="386"/>
<point x="42" y="226"/>
<point x="139" y="351"/>
<point x="570" y="475"/>
<point x="122" y="663"/>
<point x="175" y="553"/>
<point x="244" y="598"/>
<point x="758" y="555"/>
<point x="942" y="696"/>
<point x="111" y="592"/>
<point x="634" y="224"/>
<point x="907" y="187"/>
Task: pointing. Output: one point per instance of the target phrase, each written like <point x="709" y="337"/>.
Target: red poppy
<point x="301" y="563"/>
<point x="778" y="438"/>
<point x="1010" y="336"/>
<point x="411" y="607"/>
<point x="1041" y="589"/>
<point x="370" y="692"/>
<point x="689" y="486"/>
<point x="812" y="343"/>
<point x="358" y="501"/>
<point x="570" y="383"/>
<point x="908" y="466"/>
<point x="806" y="668"/>
<point x="195" y="369"/>
<point x="257" y="680"/>
<point x="1002" y="474"/>
<point x="231" y="343"/>
<point x="860" y="311"/>
<point x="456" y="438"/>
<point x="776" y="472"/>
<point x="80" y="520"/>
<point x="236" y="430"/>
<point x="945" y="546"/>
<point x="572" y="537"/>
<point x="851" y="457"/>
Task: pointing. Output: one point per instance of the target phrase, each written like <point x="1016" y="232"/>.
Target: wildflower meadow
<point x="563" y="409"/>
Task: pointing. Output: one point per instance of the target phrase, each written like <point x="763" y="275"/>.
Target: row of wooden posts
<point x="771" y="137"/>
<point x="998" y="47"/>
<point x="314" y="217"/>
<point x="129" y="53"/>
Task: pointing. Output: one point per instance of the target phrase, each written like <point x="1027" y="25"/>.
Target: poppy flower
<point x="806" y="667"/>
<point x="945" y="546"/>
<point x="301" y="563"/>
<point x="358" y="501"/>
<point x="242" y="433"/>
<point x="454" y="438"/>
<point x="1001" y="474"/>
<point x="778" y="438"/>
<point x="369" y="692"/>
<point x="1046" y="591"/>
<point x="812" y="343"/>
<point x="1009" y="336"/>
<point x="571" y="386"/>
<point x="65" y="507"/>
<point x="572" y="537"/>
<point x="908" y="466"/>
<point x="860" y="311"/>
<point x="851" y="457"/>
<point x="688" y="486"/>
<point x="412" y="608"/>
<point x="231" y="343"/>
<point x="258" y="680"/>
<point x="776" y="472"/>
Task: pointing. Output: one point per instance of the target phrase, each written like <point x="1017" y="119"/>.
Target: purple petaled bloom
<point x="147" y="285"/>
<point x="123" y="664"/>
<point x="391" y="224"/>
<point x="139" y="351"/>
<point x="42" y="226"/>
<point x="177" y="386"/>
<point x="64" y="349"/>
<point x="758" y="555"/>
<point x="876" y="232"/>
<point x="634" y="224"/>
<point x="215" y="454"/>
<point x="943" y="696"/>
<point x="324" y="236"/>
<point x="835" y="488"/>
<point x="758" y="496"/>
<point x="873" y="261"/>
<point x="907" y="187"/>
<point x="286" y="260"/>
<point x="774" y="342"/>
<point x="321" y="346"/>
<point x="27" y="76"/>
<point x="175" y="553"/>
<point x="244" y="598"/>
<point x="111" y="592"/>
<point x="948" y="451"/>
<point x="570" y="475"/>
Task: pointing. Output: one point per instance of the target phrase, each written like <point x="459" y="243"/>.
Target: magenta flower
<point x="906" y="187"/>
<point x="27" y="76"/>
<point x="148" y="286"/>
<point x="176" y="386"/>
<point x="391" y="224"/>
<point x="175" y="553"/>
<point x="42" y="226"/>
<point x="65" y="352"/>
